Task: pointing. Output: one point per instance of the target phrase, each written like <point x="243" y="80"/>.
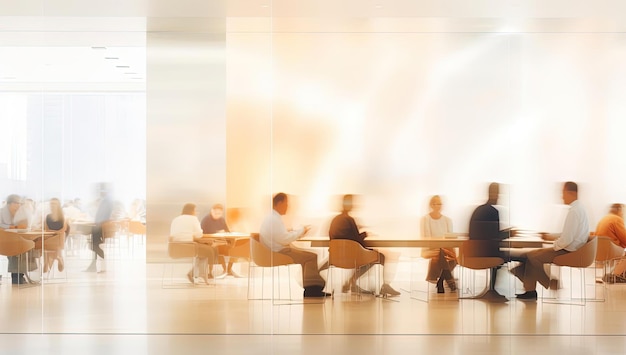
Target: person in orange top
<point x="612" y="225"/>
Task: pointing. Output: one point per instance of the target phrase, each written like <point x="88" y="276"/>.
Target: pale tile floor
<point x="125" y="310"/>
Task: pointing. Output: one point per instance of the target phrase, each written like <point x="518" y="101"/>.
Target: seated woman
<point x="442" y="260"/>
<point x="55" y="221"/>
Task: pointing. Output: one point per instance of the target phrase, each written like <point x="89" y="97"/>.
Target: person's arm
<point x="449" y="225"/>
<point x="570" y="228"/>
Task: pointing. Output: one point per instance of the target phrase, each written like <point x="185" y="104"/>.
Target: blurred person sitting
<point x="612" y="226"/>
<point x="343" y="226"/>
<point x="485" y="226"/>
<point x="575" y="234"/>
<point x="442" y="260"/>
<point x="18" y="264"/>
<point x="55" y="221"/>
<point x="274" y="235"/>
<point x="214" y="222"/>
<point x="186" y="228"/>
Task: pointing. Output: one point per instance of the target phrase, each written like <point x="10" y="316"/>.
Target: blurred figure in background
<point x="103" y="214"/>
<point x="214" y="222"/>
<point x="55" y="221"/>
<point x="442" y="260"/>
<point x="19" y="264"/>
<point x="186" y="228"/>
<point x="612" y="226"/>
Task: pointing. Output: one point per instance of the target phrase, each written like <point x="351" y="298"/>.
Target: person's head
<point x="55" y="208"/>
<point x="280" y="203"/>
<point x="347" y="203"/>
<point x="570" y="192"/>
<point x="217" y="211"/>
<point x="14" y="202"/>
<point x="494" y="191"/>
<point x="617" y="209"/>
<point x="190" y="209"/>
<point x="435" y="203"/>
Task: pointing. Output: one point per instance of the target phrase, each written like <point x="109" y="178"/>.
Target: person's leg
<point x="308" y="260"/>
<point x="535" y="271"/>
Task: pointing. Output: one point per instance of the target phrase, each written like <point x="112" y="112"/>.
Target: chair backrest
<point x="264" y="257"/>
<point x="349" y="254"/>
<point x="136" y="227"/>
<point x="582" y="257"/>
<point x="608" y="250"/>
<point x="474" y="254"/>
<point x="12" y="244"/>
<point x="177" y="250"/>
<point x="240" y="249"/>
<point x="112" y="227"/>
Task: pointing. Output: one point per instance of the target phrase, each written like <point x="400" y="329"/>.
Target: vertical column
<point x="186" y="122"/>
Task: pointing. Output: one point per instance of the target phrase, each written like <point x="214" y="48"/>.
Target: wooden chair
<point x="263" y="257"/>
<point x="349" y="254"/>
<point x="12" y="244"/>
<point x="136" y="228"/>
<point x="180" y="250"/>
<point x="472" y="256"/>
<point x="113" y="231"/>
<point x="579" y="259"/>
<point x="52" y="247"/>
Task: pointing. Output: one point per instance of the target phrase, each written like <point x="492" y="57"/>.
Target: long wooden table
<point x="377" y="242"/>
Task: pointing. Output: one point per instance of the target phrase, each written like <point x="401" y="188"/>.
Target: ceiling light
<point x="130" y="73"/>
<point x="122" y="66"/>
<point x="93" y="47"/>
<point x="111" y="58"/>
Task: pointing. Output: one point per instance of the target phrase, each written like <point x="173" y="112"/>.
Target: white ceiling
<point x="50" y="41"/>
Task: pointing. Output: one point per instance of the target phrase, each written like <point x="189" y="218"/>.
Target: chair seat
<point x="483" y="262"/>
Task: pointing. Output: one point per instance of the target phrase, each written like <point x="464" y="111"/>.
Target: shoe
<point x="355" y="289"/>
<point x="315" y="292"/>
<point x="234" y="274"/>
<point x="528" y="295"/>
<point x="60" y="264"/>
<point x="451" y="284"/>
<point x="553" y="285"/>
<point x="440" y="288"/>
<point x="608" y="278"/>
<point x="92" y="267"/>
<point x="220" y="276"/>
<point x="18" y="279"/>
<point x="387" y="290"/>
<point x="190" y="276"/>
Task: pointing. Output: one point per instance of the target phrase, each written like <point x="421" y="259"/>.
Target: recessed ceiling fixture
<point x="95" y="47"/>
<point x="131" y="73"/>
<point x="111" y="58"/>
<point x="8" y="78"/>
<point x="122" y="66"/>
<point x="137" y="78"/>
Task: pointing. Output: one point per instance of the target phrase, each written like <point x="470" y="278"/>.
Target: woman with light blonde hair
<point x="442" y="260"/>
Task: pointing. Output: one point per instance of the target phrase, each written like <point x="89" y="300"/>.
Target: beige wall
<point x="186" y="123"/>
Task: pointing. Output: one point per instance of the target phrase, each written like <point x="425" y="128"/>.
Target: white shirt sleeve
<point x="425" y="227"/>
<point x="575" y="230"/>
<point x="275" y="235"/>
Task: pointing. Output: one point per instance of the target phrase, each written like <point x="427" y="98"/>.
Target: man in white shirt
<point x="575" y="234"/>
<point x="186" y="228"/>
<point x="275" y="236"/>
